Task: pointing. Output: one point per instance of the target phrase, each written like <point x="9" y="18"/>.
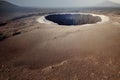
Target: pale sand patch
<point x="49" y="68"/>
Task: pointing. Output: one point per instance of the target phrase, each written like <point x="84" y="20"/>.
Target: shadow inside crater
<point x="73" y="19"/>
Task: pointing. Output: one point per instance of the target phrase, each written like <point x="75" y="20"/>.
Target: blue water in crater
<point x="73" y="19"/>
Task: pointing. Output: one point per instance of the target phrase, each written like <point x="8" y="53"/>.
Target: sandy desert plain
<point x="30" y="50"/>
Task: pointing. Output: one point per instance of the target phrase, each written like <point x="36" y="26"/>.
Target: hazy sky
<point x="59" y="3"/>
<point x="116" y="1"/>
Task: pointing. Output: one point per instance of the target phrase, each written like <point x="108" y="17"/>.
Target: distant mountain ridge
<point x="5" y="4"/>
<point x="108" y="4"/>
<point x="6" y="7"/>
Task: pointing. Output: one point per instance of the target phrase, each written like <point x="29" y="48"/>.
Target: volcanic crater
<point x="73" y="19"/>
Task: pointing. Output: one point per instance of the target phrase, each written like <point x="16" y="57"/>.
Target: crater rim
<point x="43" y="20"/>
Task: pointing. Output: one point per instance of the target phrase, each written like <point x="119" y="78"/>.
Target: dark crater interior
<point x="73" y="19"/>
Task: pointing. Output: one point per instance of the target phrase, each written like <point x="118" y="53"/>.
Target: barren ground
<point x="34" y="51"/>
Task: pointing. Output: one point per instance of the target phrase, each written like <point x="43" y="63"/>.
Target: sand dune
<point x="54" y="52"/>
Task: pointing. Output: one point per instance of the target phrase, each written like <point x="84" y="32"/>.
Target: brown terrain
<point x="34" y="51"/>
